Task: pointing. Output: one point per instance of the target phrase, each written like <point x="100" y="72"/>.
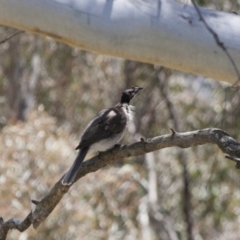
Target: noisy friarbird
<point x="104" y="131"/>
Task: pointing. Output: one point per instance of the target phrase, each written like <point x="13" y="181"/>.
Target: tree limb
<point x="162" y="32"/>
<point x="217" y="39"/>
<point x="11" y="36"/>
<point x="46" y="205"/>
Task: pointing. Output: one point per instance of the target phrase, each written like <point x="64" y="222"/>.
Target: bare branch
<point x="234" y="159"/>
<point x="11" y="36"/>
<point x="14" y="223"/>
<point x="217" y="40"/>
<point x="46" y="205"/>
<point x="146" y="31"/>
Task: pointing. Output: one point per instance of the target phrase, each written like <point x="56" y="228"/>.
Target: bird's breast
<point x="129" y="112"/>
<point x="107" y="143"/>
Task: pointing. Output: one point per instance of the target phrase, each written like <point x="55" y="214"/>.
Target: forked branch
<point x="46" y="205"/>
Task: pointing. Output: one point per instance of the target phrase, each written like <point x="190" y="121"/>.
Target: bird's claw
<point x="115" y="146"/>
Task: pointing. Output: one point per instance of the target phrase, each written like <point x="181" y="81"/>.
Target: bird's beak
<point x="136" y="89"/>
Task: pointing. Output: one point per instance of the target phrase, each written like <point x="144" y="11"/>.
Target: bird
<point x="104" y="131"/>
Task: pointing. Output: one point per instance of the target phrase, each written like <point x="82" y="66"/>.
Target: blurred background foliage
<point x="50" y="91"/>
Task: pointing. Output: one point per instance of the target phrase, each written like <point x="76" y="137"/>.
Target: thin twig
<point x="183" y="140"/>
<point x="217" y="40"/>
<point x="11" y="36"/>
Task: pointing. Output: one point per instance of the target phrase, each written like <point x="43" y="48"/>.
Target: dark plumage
<point x="103" y="132"/>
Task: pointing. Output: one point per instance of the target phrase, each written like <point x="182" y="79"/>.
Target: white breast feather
<point x="108" y="143"/>
<point x="129" y="111"/>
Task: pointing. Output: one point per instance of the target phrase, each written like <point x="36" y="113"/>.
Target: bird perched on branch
<point x="103" y="132"/>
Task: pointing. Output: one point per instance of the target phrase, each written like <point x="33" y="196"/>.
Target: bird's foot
<point x="117" y="145"/>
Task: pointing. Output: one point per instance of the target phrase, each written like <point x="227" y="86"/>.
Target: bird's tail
<point x="70" y="176"/>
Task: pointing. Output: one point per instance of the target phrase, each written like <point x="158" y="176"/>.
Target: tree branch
<point x="217" y="39"/>
<point x="11" y="36"/>
<point x="46" y="205"/>
<point x="163" y="32"/>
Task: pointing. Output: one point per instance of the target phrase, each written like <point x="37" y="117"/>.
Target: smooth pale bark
<point x="161" y="32"/>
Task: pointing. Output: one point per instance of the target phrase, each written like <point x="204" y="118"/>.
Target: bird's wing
<point x="107" y="123"/>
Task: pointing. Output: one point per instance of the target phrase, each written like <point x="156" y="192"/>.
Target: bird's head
<point x="128" y="94"/>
